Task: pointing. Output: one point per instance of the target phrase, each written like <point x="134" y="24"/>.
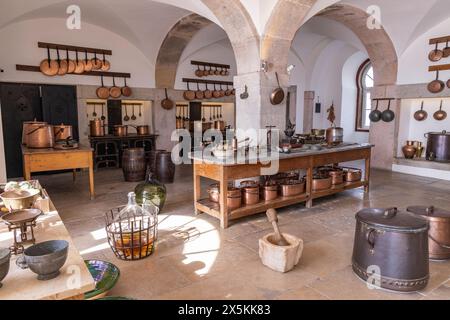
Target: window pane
<point x="368" y="79"/>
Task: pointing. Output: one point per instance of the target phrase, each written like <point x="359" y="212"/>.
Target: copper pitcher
<point x="40" y="137"/>
<point x="97" y="128"/>
<point x="62" y="132"/>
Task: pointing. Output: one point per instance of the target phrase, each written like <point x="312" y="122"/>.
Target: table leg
<point x="309" y="179"/>
<point x="74" y="175"/>
<point x="26" y="168"/>
<point x="197" y="190"/>
<point x="223" y="201"/>
<point x="367" y="176"/>
<point x="91" y="177"/>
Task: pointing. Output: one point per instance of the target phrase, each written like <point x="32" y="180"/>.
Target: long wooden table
<point x="224" y="171"/>
<point x="45" y="160"/>
<point x="74" y="280"/>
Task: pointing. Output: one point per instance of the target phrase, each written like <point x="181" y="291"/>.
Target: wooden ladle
<point x="278" y="239"/>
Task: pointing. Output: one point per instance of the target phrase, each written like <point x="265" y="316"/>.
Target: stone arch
<point x="288" y="16"/>
<point x="173" y="46"/>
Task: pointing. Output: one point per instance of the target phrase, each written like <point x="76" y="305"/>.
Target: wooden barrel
<point x="152" y="160"/>
<point x="165" y="168"/>
<point x="134" y="164"/>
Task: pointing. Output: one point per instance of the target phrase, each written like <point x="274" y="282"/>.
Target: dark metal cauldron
<point x="165" y="168"/>
<point x="394" y="243"/>
<point x="438" y="146"/>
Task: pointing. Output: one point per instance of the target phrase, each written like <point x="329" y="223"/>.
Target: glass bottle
<point x="153" y="191"/>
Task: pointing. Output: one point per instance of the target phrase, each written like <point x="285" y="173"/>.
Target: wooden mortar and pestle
<point x="278" y="239"/>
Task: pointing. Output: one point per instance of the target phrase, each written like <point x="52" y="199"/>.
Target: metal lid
<point x="430" y="212"/>
<point x="391" y="218"/>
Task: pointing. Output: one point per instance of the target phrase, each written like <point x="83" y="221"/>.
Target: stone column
<point x="257" y="111"/>
<point x="308" y="117"/>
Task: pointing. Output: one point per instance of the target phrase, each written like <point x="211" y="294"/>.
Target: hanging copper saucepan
<point x="88" y="66"/>
<point x="436" y="86"/>
<point x="189" y="95"/>
<point x="199" y="73"/>
<point x="62" y="64"/>
<point x="375" y="115"/>
<point x="421" y="115"/>
<point x="126" y="90"/>
<point x="115" y="92"/>
<point x="388" y="115"/>
<point x="70" y="63"/>
<point x="79" y="65"/>
<point x="102" y="92"/>
<point x="277" y="96"/>
<point x="216" y="93"/>
<point x="221" y="91"/>
<point x="440" y="115"/>
<point x="207" y="93"/>
<point x="199" y="93"/>
<point x="106" y="65"/>
<point x="229" y="91"/>
<point x="436" y="54"/>
<point x="446" y="50"/>
<point x="167" y="104"/>
<point x="48" y="66"/>
<point x="96" y="62"/>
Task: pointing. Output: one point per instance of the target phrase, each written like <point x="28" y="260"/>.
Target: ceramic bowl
<point x="105" y="275"/>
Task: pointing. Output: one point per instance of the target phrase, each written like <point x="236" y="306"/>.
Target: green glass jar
<point x="153" y="191"/>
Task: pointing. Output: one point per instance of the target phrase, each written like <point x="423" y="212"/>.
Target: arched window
<point x="364" y="82"/>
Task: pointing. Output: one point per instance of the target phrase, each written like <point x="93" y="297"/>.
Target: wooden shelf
<point x="21" y="67"/>
<point x="442" y="67"/>
<point x="64" y="47"/>
<point x="439" y="40"/>
<point x="210" y="64"/>
<point x="338" y="189"/>
<point x="213" y="208"/>
<point x="188" y="80"/>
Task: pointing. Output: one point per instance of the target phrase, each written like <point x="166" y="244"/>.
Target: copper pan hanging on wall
<point x="79" y="65"/>
<point x="189" y="95"/>
<point x="62" y="64"/>
<point x="126" y="90"/>
<point x="102" y="92"/>
<point x="166" y="103"/>
<point x="106" y="65"/>
<point x="70" y="63"/>
<point x="115" y="92"/>
<point x="436" y="54"/>
<point x="48" y="66"/>
<point x="277" y="95"/>
<point x="436" y="86"/>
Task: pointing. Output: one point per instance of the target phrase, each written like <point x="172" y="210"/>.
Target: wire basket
<point x="133" y="237"/>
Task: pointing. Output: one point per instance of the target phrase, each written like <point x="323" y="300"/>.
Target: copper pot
<point x="250" y="190"/>
<point x="214" y="193"/>
<point x="270" y="191"/>
<point x="352" y="175"/>
<point x="63" y="132"/>
<point x="27" y="128"/>
<point x="335" y="136"/>
<point x="293" y="188"/>
<point x="337" y="177"/>
<point x="142" y="130"/>
<point x="40" y="137"/>
<point x="321" y="182"/>
<point x="219" y="125"/>
<point x="120" y="131"/>
<point x="397" y="244"/>
<point x="234" y="199"/>
<point x="97" y="128"/>
<point x="439" y="233"/>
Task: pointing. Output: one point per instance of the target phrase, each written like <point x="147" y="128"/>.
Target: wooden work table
<point x="71" y="284"/>
<point x="45" y="160"/>
<point x="225" y="170"/>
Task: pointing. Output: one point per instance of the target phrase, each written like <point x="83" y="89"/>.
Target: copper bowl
<point x="293" y="188"/>
<point x="321" y="182"/>
<point x="270" y="191"/>
<point x="352" y="175"/>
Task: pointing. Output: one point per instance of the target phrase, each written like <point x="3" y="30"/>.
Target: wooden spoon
<point x="278" y="239"/>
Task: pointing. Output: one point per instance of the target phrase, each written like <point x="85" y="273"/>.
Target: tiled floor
<point x="197" y="260"/>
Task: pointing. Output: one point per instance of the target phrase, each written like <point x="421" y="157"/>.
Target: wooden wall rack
<point x="442" y="67"/>
<point x="439" y="40"/>
<point x="21" y="67"/>
<point x="64" y="47"/>
<point x="383" y="99"/>
<point x="210" y="64"/>
<point x="187" y="80"/>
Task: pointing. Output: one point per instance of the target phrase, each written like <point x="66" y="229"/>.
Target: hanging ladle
<point x="203" y="114"/>
<point x="126" y="118"/>
<point x="133" y="117"/>
<point x="94" y="114"/>
<point x="103" y="113"/>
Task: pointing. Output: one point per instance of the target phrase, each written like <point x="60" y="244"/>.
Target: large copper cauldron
<point x="395" y="245"/>
<point x="439" y="234"/>
<point x="27" y="127"/>
<point x="40" y="137"/>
